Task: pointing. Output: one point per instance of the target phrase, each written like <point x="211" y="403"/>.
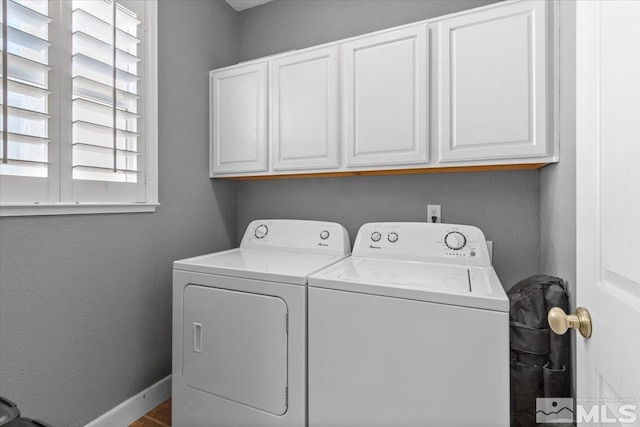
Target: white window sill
<point x="36" y="209"/>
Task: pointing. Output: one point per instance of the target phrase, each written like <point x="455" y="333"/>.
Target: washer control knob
<point x="324" y="234"/>
<point x="455" y="240"/>
<point x="392" y="237"/>
<point x="376" y="236"/>
<point x="261" y="231"/>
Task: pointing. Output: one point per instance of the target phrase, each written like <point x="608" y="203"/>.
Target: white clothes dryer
<point x="239" y="326"/>
<point x="412" y="330"/>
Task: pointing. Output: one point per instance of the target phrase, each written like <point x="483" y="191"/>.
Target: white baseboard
<point x="135" y="407"/>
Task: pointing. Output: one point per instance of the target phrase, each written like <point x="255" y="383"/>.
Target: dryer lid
<point x="268" y="265"/>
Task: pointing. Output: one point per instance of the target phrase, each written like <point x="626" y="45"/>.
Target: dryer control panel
<point x="315" y="237"/>
<point x="426" y="242"/>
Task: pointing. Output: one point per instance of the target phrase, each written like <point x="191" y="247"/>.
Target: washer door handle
<point x="197" y="337"/>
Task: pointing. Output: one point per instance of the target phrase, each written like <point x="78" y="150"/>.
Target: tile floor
<point x="160" y="416"/>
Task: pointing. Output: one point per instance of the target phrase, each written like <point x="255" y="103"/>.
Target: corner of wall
<point x="558" y="181"/>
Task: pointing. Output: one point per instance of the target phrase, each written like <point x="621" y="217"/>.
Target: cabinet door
<point x="304" y="96"/>
<point x="385" y="92"/>
<point x="492" y="83"/>
<point x="239" y="119"/>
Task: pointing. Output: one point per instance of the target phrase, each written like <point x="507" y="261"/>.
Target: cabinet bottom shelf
<point x="453" y="169"/>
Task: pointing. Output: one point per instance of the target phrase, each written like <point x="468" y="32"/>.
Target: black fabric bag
<point x="540" y="359"/>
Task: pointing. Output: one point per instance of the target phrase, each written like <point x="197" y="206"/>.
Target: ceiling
<point x="246" y="4"/>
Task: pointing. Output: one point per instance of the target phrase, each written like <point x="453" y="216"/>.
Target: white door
<point x="238" y="120"/>
<point x="492" y="83"/>
<point x="384" y="98"/>
<point x="304" y="110"/>
<point x="608" y="209"/>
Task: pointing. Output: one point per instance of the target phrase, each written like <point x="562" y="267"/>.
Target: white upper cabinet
<point x="384" y="98"/>
<point x="471" y="89"/>
<point x="492" y="79"/>
<point x="304" y="110"/>
<point x="238" y="119"/>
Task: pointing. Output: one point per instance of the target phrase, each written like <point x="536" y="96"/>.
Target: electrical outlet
<point x="434" y="213"/>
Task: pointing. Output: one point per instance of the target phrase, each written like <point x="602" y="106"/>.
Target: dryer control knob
<point x="392" y="237"/>
<point x="324" y="234"/>
<point x="261" y="231"/>
<point x="455" y="240"/>
<point x="376" y="236"/>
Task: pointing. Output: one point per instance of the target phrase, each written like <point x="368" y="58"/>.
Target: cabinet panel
<point x="492" y="79"/>
<point x="239" y="119"/>
<point x="385" y="92"/>
<point x="304" y="96"/>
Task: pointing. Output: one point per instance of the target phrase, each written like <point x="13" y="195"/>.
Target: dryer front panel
<point x="234" y="345"/>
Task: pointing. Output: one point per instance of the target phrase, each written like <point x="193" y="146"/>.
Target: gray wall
<point x="505" y="205"/>
<point x="85" y="301"/>
<point x="294" y="24"/>
<point x="558" y="182"/>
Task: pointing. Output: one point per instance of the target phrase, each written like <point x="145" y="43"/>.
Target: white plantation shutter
<point x="106" y="80"/>
<point x="105" y="96"/>
<point x="24" y="150"/>
<point x="81" y="102"/>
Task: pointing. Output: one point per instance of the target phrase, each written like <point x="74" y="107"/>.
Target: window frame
<point x="61" y="181"/>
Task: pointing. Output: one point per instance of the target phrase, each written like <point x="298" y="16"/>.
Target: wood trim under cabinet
<point x="453" y="169"/>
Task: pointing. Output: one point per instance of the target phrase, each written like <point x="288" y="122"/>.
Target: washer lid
<point x="258" y="264"/>
<point x="467" y="286"/>
<point x="407" y="275"/>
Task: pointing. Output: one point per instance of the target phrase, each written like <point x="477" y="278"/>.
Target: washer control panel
<point x="429" y="242"/>
<point x="455" y="240"/>
<point x="297" y="236"/>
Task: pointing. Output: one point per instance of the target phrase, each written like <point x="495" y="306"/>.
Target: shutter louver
<point x="105" y="92"/>
<point x="25" y="88"/>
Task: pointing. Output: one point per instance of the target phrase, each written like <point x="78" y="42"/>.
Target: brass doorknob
<point x="560" y="322"/>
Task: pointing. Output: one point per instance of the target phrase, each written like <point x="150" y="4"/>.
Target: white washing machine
<point x="412" y="330"/>
<point x="240" y="326"/>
